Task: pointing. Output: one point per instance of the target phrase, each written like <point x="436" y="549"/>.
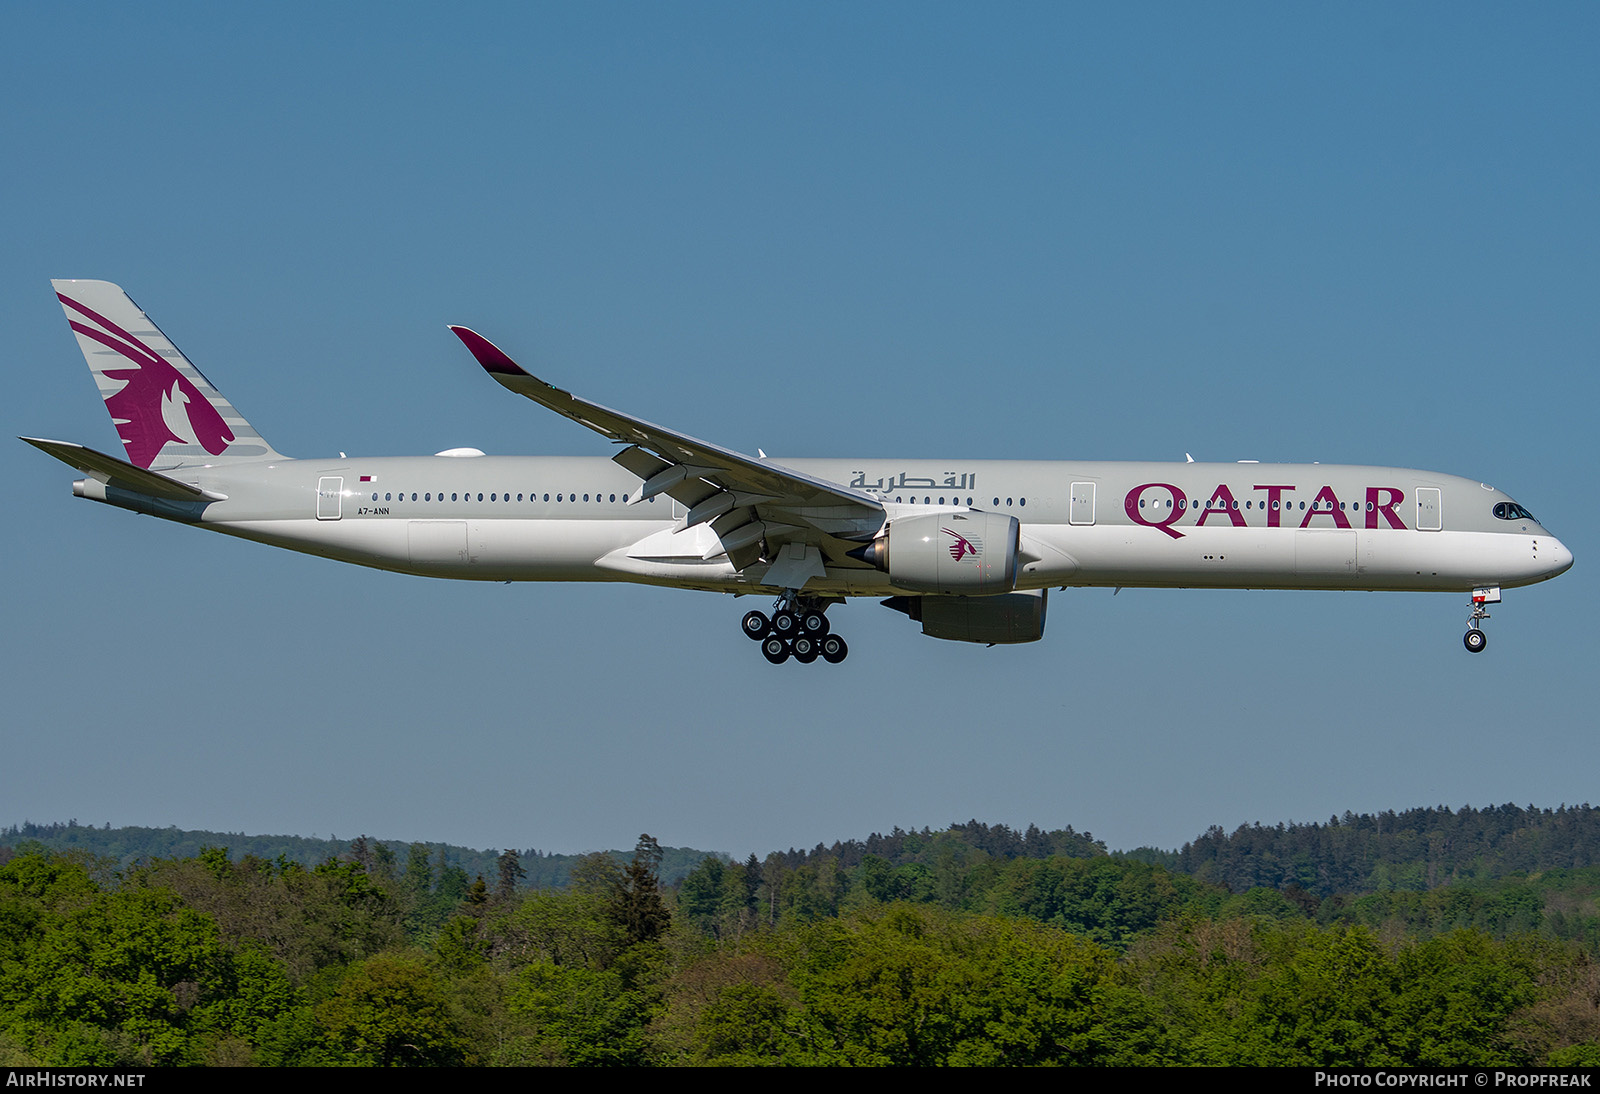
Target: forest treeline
<point x="1417" y="849"/>
<point x="925" y="949"/>
<point x="1413" y="850"/>
<point x="131" y="844"/>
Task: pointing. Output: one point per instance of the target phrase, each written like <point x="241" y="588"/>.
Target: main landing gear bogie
<point x="797" y="628"/>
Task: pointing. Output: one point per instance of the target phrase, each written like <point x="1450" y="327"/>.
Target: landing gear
<point x="798" y="628"/>
<point x="1475" y="640"/>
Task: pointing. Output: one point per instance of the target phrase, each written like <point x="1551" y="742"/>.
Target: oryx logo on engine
<point x="962" y="547"/>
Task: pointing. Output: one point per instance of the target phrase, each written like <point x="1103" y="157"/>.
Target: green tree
<point x="393" y="1011"/>
<point x="917" y="987"/>
<point x="582" y="1016"/>
<point x="450" y="887"/>
<point x="700" y="894"/>
<point x="510" y="871"/>
<point x="128" y="978"/>
<point x="636" y="906"/>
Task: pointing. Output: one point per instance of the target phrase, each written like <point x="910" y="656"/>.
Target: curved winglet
<point x="489" y="355"/>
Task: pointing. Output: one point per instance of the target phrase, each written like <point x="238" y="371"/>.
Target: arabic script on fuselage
<point x="887" y="484"/>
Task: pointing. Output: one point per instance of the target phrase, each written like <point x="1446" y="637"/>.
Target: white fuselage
<point x="1241" y="525"/>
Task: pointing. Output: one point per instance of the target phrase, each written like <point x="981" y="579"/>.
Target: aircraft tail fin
<point x="165" y="410"/>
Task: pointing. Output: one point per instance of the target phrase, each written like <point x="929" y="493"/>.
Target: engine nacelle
<point x="972" y="553"/>
<point x="992" y="620"/>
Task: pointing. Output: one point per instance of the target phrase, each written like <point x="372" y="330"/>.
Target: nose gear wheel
<point x="1475" y="640"/>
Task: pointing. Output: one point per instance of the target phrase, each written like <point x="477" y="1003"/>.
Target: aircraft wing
<point x="761" y="511"/>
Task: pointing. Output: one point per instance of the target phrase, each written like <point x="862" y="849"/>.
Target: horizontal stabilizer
<point x="112" y="471"/>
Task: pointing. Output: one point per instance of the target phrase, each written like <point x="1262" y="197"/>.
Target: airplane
<point x="967" y="548"/>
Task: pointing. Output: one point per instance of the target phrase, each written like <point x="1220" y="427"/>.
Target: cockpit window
<point x="1510" y="510"/>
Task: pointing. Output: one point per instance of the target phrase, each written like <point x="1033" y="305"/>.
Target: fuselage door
<point x="1430" y="509"/>
<point x="1081" y="509"/>
<point x="330" y="497"/>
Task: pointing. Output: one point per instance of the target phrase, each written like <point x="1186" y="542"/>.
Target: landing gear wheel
<point x="833" y="649"/>
<point x="785" y="624"/>
<point x="1482" y="597"/>
<point x="814" y="623"/>
<point x="805" y="649"/>
<point x="775" y="649"/>
<point x="756" y="625"/>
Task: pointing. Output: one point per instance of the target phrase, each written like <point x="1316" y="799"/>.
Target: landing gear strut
<point x="1475" y="640"/>
<point x="798" y="628"/>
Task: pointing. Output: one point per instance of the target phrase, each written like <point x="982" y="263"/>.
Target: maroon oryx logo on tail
<point x="157" y="403"/>
<point x="963" y="546"/>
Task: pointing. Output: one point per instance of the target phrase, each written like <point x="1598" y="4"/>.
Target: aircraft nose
<point x="1560" y="559"/>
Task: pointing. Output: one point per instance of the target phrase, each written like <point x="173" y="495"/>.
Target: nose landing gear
<point x="797" y="628"/>
<point x="1475" y="640"/>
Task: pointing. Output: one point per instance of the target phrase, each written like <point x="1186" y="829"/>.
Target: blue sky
<point x="1360" y="233"/>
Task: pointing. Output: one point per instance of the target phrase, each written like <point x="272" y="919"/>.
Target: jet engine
<point x="1007" y="618"/>
<point x="971" y="553"/>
